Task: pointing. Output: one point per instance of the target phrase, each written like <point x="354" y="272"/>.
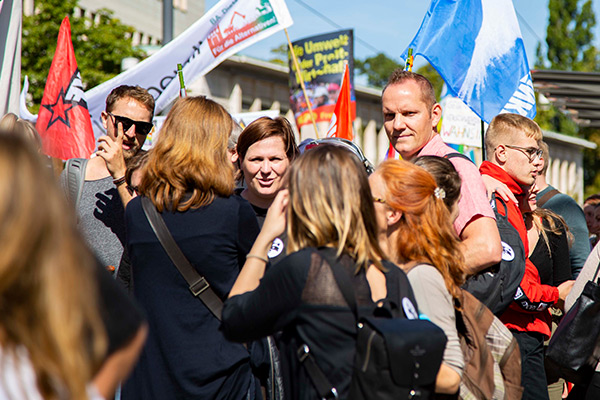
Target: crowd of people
<point x="201" y="268"/>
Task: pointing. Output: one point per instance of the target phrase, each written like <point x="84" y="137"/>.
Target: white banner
<point x="460" y="125"/>
<point x="227" y="28"/>
<point x="10" y="55"/>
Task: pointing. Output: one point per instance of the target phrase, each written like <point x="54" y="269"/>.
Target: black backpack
<point x="497" y="285"/>
<point x="395" y="358"/>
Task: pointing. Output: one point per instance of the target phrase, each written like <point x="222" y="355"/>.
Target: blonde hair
<point x="190" y="156"/>
<point x="555" y="223"/>
<point x="48" y="295"/>
<point x="12" y="123"/>
<point x="331" y="205"/>
<point x="425" y="233"/>
<point x="506" y="127"/>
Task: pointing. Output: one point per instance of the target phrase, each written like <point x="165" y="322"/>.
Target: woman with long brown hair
<point x="330" y="223"/>
<point x="415" y="229"/>
<point x="52" y="340"/>
<point x="189" y="179"/>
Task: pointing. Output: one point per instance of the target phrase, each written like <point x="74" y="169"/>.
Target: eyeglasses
<point x="532" y="153"/>
<point x="378" y="200"/>
<point x="143" y="128"/>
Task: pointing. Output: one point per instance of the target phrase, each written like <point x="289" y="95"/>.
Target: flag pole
<point x="301" y="79"/>
<point x="182" y="91"/>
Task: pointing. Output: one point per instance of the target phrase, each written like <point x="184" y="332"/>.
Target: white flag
<point x="230" y="26"/>
<point x="10" y="55"/>
<point x="227" y="28"/>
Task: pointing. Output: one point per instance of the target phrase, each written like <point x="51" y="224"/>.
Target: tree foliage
<point x="570" y="34"/>
<point x="377" y="69"/>
<point x="569" y="46"/>
<point x="99" y="44"/>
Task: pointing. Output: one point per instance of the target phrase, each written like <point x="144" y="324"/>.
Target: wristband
<point x="259" y="257"/>
<point x="120" y="181"/>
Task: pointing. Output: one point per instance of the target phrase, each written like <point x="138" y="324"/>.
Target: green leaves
<point x="99" y="46"/>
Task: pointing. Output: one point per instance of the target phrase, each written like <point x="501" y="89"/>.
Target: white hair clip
<point x="439" y="193"/>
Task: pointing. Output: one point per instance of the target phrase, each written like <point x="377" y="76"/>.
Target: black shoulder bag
<point x="574" y="349"/>
<point x="199" y="286"/>
<point x="395" y="357"/>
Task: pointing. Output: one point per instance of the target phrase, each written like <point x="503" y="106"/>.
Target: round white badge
<point x="409" y="309"/>
<point x="508" y="253"/>
<point x="276" y="248"/>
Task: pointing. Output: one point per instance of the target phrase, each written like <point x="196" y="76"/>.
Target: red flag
<point x="341" y="120"/>
<point x="64" y="121"/>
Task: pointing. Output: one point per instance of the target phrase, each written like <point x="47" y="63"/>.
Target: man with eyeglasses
<point x="511" y="144"/>
<point x="100" y="195"/>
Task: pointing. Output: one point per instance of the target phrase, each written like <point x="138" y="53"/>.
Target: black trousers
<point x="587" y="392"/>
<point x="533" y="374"/>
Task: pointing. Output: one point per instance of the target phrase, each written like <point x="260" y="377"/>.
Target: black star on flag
<point x="59" y="109"/>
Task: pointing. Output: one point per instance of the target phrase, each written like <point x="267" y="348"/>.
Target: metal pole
<point x="167" y="34"/>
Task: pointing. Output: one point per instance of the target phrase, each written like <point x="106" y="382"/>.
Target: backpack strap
<point x="324" y="388"/>
<point x="75" y="179"/>
<point x="198" y="285"/>
<point x="547" y="196"/>
<point x="457" y="155"/>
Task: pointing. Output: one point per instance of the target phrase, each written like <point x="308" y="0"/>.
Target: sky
<point x="389" y="25"/>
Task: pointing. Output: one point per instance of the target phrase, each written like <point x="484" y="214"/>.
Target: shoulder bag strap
<point x="324" y="388"/>
<point x="457" y="155"/>
<point x="199" y="286"/>
<point x="75" y="179"/>
<point x="546" y="197"/>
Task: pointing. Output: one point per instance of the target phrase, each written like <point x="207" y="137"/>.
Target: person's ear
<point x="104" y="117"/>
<point x="393" y="216"/>
<point x="436" y="114"/>
<point x="234" y="155"/>
<point x="500" y="153"/>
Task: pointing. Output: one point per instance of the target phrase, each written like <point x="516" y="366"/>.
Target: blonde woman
<point x="330" y="214"/>
<point x="52" y="339"/>
<point x="415" y="229"/>
<point x="189" y="178"/>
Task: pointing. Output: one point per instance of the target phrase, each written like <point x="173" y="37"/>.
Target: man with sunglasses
<point x="512" y="148"/>
<point x="101" y="195"/>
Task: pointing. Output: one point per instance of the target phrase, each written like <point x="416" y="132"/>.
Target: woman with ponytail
<point x="415" y="230"/>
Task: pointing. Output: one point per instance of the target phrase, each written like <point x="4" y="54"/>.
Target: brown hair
<point x="592" y="200"/>
<point x="331" y="204"/>
<point x="137" y="93"/>
<point x="264" y="128"/>
<point x="190" y="156"/>
<point x="545" y="156"/>
<point x="445" y="175"/>
<point x="134" y="163"/>
<point x="506" y="127"/>
<point x="48" y="295"/>
<point x="425" y="233"/>
<point x="12" y="123"/>
<point x="400" y="76"/>
<point x="555" y="223"/>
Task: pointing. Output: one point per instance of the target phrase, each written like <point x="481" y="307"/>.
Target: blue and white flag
<point x="477" y="48"/>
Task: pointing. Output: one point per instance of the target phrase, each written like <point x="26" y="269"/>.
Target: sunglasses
<point x="143" y="128"/>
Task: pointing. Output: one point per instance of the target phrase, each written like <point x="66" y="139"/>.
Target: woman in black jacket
<point x="330" y="219"/>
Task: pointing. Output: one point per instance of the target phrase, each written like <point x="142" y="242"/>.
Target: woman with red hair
<point x="415" y="230"/>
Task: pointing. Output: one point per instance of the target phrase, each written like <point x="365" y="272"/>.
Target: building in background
<point x="243" y="84"/>
<point x="144" y="15"/>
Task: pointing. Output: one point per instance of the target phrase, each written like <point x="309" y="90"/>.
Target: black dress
<point x="300" y="297"/>
<point x="186" y="355"/>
